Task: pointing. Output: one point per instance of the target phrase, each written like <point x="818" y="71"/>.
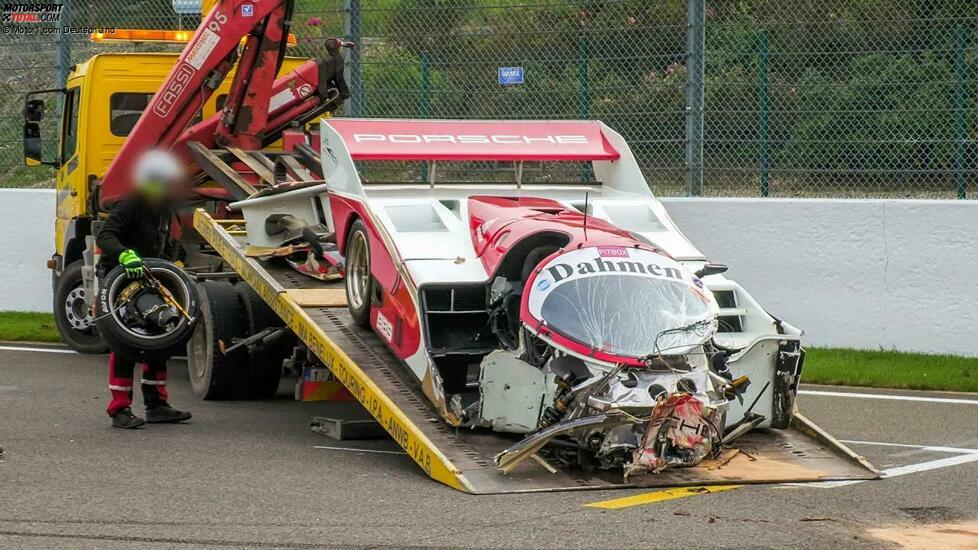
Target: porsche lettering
<point x="500" y="139"/>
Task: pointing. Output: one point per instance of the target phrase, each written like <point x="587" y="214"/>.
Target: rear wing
<point x="345" y="141"/>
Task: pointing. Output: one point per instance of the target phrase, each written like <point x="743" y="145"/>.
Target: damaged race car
<point x="528" y="279"/>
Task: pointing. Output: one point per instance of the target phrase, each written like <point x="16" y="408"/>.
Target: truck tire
<point x="265" y="365"/>
<point x="359" y="279"/>
<point x="214" y="375"/>
<point x="140" y="343"/>
<point x="72" y="317"/>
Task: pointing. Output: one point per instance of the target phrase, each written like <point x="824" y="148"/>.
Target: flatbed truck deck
<point x="463" y="458"/>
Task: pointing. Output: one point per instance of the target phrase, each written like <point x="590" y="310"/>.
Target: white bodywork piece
<point x="513" y="393"/>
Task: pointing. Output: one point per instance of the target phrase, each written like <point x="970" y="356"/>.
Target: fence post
<point x="354" y="70"/>
<point x="762" y="109"/>
<point x="959" y="129"/>
<point x="425" y="106"/>
<point x="64" y="47"/>
<point x="695" y="53"/>
<point x="583" y="94"/>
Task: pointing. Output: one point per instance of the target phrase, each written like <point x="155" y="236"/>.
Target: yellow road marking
<point x="659" y="496"/>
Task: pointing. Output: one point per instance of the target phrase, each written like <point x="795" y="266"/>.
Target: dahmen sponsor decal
<point x="594" y="266"/>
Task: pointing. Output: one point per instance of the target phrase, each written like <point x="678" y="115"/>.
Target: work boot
<point x="165" y="414"/>
<point x="123" y="418"/>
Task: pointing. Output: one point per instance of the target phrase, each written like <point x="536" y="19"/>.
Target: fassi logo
<point x="174" y="89"/>
<point x="503" y="139"/>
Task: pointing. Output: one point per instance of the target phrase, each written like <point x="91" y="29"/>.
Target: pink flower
<point x="313" y="21"/>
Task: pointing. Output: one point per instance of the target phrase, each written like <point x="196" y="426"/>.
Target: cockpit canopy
<point x="624" y="302"/>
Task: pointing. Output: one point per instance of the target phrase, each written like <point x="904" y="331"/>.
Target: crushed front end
<point x="633" y="378"/>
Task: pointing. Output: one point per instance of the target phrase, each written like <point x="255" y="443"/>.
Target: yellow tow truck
<point x="103" y="99"/>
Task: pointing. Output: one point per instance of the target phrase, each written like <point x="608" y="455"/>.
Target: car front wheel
<point x="359" y="281"/>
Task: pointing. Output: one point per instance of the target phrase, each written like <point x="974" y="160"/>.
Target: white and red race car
<point x="570" y="309"/>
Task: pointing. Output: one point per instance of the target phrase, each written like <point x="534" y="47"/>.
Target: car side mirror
<point x="710" y="269"/>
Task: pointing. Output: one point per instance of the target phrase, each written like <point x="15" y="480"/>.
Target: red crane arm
<point x="257" y="106"/>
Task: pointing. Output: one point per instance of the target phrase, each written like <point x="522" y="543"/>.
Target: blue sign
<point x="247" y="10"/>
<point x="510" y="75"/>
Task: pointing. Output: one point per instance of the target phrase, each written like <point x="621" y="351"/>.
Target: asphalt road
<point x="250" y="475"/>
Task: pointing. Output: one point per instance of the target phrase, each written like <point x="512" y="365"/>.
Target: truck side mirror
<point x="33" y="142"/>
<point x="33" y="145"/>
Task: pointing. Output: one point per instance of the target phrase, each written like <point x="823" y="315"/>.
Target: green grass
<point x="843" y="367"/>
<point x="20" y="326"/>
<point x="890" y="369"/>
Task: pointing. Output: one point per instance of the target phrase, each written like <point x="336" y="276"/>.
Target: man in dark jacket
<point x="140" y="226"/>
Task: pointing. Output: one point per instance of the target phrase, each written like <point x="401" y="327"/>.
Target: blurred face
<point x="155" y="191"/>
<point x="158" y="177"/>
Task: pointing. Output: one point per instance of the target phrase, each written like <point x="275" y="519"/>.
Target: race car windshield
<point x="627" y="315"/>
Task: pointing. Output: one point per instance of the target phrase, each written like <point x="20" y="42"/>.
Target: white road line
<point x="930" y="465"/>
<point x="890" y="397"/>
<point x="66" y="350"/>
<point x="39" y="350"/>
<point x="962" y="456"/>
<point x="352" y="449"/>
<point x="901" y="470"/>
<point x="934" y="448"/>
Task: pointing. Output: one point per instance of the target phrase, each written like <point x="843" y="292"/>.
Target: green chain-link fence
<point x="785" y="98"/>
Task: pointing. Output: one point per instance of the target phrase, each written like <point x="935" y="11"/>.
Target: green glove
<point x="132" y="262"/>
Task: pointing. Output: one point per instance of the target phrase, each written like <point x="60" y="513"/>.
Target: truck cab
<point x="102" y="100"/>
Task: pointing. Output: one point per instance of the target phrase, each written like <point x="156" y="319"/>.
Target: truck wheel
<point x="72" y="316"/>
<point x="359" y="281"/>
<point x="214" y="375"/>
<point x="265" y="366"/>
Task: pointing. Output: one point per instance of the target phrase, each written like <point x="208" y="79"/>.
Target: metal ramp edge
<point x="462" y="458"/>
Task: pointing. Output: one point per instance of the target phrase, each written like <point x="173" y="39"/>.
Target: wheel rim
<point x="198" y="353"/>
<point x="168" y="279"/>
<point x="358" y="271"/>
<point x="77" y="312"/>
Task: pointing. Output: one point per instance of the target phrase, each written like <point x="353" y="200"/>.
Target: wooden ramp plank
<point x="318" y="297"/>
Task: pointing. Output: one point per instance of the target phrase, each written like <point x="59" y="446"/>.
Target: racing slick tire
<point x="138" y="343"/>
<point x="359" y="280"/>
<point x="265" y="364"/>
<point x="74" y="320"/>
<point x="214" y="375"/>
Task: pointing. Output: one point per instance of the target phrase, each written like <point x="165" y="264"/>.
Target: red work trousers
<point x="120" y="382"/>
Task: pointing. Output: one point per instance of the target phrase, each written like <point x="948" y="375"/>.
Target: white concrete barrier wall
<point x="26" y="242"/>
<point x="867" y="274"/>
<point x="870" y="274"/>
